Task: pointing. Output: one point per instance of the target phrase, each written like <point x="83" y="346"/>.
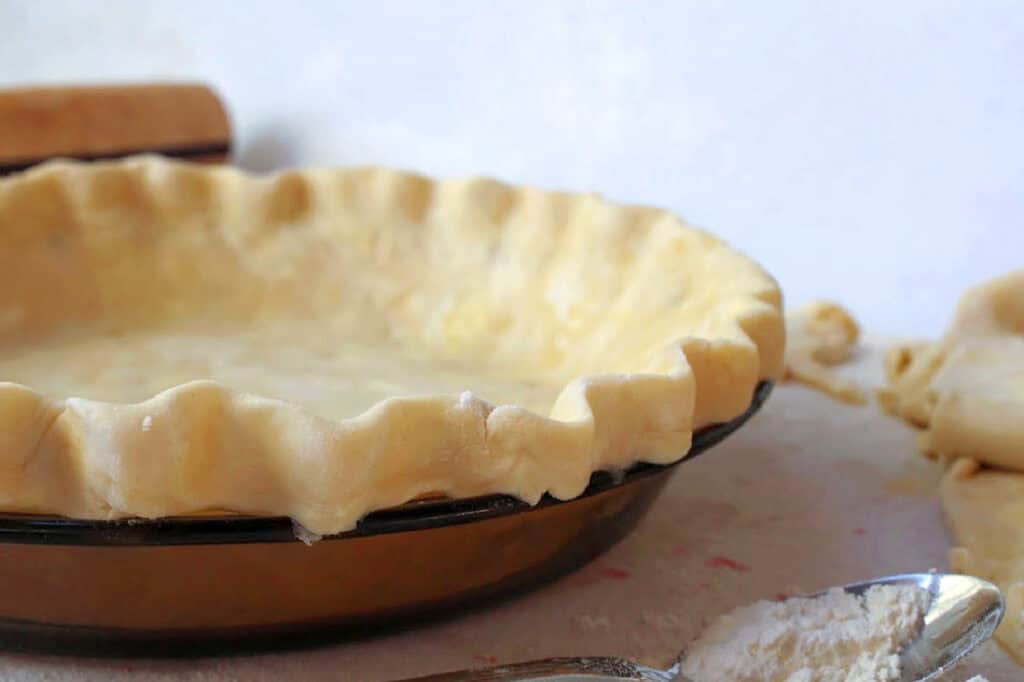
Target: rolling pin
<point x="185" y="121"/>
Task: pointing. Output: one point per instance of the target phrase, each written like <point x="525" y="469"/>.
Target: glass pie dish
<point x="144" y="587"/>
<point x="249" y="405"/>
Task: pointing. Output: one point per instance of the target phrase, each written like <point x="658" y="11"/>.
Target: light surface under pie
<point x="966" y="394"/>
<point x="320" y="344"/>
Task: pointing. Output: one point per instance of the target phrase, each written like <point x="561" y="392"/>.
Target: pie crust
<point x="323" y="343"/>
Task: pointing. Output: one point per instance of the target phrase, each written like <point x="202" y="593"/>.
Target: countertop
<point x="811" y="493"/>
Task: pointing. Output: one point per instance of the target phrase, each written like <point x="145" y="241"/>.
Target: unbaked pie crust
<point x="322" y="343"/>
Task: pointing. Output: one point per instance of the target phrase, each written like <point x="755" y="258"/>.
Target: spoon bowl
<point x="962" y="613"/>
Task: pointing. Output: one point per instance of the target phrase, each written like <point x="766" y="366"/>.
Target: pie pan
<point x="194" y="359"/>
<point x="216" y="584"/>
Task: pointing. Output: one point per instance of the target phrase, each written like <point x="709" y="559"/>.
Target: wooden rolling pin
<point x="185" y="121"/>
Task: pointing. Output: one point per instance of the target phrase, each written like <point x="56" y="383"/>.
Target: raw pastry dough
<point x="320" y="344"/>
<point x="986" y="513"/>
<point x="966" y="394"/>
<point x="820" y="336"/>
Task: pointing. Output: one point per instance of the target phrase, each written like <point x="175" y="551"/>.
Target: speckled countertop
<point x="811" y="493"/>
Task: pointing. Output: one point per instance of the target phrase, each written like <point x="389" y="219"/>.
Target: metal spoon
<point x="964" y="612"/>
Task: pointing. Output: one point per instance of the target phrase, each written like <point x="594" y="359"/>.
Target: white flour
<point x="837" y="637"/>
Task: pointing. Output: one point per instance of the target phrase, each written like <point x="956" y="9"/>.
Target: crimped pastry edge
<point x="89" y="459"/>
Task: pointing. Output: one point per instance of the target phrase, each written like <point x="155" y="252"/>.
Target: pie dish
<point x="71" y="587"/>
<point x="318" y="344"/>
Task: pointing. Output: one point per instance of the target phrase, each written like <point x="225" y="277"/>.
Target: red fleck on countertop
<point x="726" y="562"/>
<point x="616" y="573"/>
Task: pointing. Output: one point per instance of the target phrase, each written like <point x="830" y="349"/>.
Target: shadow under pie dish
<point x="320" y="344"/>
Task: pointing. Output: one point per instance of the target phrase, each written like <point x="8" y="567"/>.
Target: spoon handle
<point x="597" y="669"/>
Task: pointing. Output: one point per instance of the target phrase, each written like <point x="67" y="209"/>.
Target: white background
<point x="872" y="152"/>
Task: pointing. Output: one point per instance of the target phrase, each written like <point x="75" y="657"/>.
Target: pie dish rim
<point x="412" y="516"/>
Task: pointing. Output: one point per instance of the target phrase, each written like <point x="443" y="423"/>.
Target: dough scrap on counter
<point x="836" y="637"/>
<point x="985" y="512"/>
<point x="819" y="336"/>
<point x="965" y="394"/>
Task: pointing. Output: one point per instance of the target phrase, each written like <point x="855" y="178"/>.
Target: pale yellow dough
<point x="320" y="344"/>
<point x="820" y="336"/>
<point x="966" y="392"/>
<point x="986" y="513"/>
<point x="966" y="395"/>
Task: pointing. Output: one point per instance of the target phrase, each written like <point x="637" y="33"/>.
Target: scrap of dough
<point x="986" y="513"/>
<point x="965" y="394"/>
<point x="322" y="343"/>
<point x="819" y="336"/>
